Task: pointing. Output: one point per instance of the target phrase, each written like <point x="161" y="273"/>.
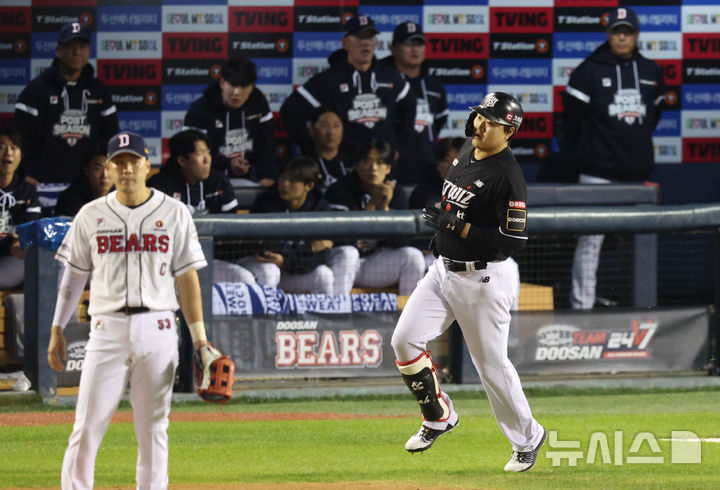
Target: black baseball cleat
<point x="425" y="437"/>
<point x="524" y="461"/>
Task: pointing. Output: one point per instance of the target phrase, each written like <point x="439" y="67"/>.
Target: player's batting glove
<point x="443" y="221"/>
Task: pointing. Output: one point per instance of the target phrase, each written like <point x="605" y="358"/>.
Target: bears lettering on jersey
<point x="148" y="243"/>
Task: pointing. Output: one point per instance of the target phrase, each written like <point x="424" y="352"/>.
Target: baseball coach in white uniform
<point x="137" y="245"/>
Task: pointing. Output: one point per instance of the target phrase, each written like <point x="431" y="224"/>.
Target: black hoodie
<point x="213" y="195"/>
<point x="417" y="140"/>
<point x="371" y="104"/>
<point x="62" y="123"/>
<point x="611" y="111"/>
<point x="75" y="197"/>
<point x="298" y="255"/>
<point x="18" y="204"/>
<point x="248" y="130"/>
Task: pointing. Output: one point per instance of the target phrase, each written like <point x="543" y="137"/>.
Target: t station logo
<point x="14" y="46"/>
<point x="459" y="71"/>
<point x="51" y="19"/>
<point x="315" y="19"/>
<point x="520" y="46"/>
<point x="262" y="45"/>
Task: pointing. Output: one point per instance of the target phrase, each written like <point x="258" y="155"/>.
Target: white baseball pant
<point x="586" y="260"/>
<point x="387" y="266"/>
<point x="334" y="278"/>
<point x="141" y="349"/>
<point x="480" y="301"/>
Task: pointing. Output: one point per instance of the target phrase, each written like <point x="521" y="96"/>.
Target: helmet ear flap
<point x="469" y="125"/>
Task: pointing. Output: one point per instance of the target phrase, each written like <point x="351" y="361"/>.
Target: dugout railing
<point x="637" y="221"/>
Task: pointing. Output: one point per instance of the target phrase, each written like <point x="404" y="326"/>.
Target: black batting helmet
<point x="498" y="107"/>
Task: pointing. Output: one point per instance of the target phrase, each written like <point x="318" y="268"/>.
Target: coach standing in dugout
<point x="481" y="224"/>
<point x="63" y="114"/>
<point x="613" y="104"/>
<point x="371" y="98"/>
<point x="133" y="335"/>
<point x="417" y="140"/>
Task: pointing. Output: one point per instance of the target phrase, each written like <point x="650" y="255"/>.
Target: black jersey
<point x="489" y="194"/>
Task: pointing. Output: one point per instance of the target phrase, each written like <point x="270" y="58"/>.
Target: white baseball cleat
<point x="524" y="461"/>
<point x="425" y="437"/>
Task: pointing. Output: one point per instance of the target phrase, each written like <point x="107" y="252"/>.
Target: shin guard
<point x="419" y="375"/>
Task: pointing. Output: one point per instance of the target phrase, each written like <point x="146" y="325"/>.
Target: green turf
<point x="362" y="450"/>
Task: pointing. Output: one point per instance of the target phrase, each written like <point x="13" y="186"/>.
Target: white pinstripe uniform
<point x="134" y="255"/>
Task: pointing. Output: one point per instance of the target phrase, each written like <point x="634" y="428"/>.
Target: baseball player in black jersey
<point x="480" y="224"/>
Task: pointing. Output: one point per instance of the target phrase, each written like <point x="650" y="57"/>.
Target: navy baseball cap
<point x="73" y="30"/>
<point x="406" y="32"/>
<point x="623" y="16"/>
<point x="127" y="142"/>
<point x="359" y="24"/>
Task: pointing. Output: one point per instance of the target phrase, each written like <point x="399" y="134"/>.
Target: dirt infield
<point x="58" y="418"/>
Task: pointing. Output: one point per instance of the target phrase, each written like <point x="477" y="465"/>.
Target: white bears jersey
<point x="133" y="253"/>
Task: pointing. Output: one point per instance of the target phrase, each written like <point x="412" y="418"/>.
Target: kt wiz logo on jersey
<point x="148" y="242"/>
<point x="457" y="195"/>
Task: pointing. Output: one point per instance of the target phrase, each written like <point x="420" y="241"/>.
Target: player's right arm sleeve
<point x="576" y="107"/>
<point x="109" y="125"/>
<point x="406" y="104"/>
<point x="72" y="285"/>
<point x="192" y="117"/>
<point x="27" y="120"/>
<point x="296" y="112"/>
<point x="267" y="164"/>
<point x="230" y="202"/>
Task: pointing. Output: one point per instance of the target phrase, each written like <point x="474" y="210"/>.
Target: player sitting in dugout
<point x="315" y="266"/>
<point x="383" y="263"/>
<point x="188" y="177"/>
<point x="93" y="183"/>
<point x="326" y="132"/>
<point x="18" y="204"/>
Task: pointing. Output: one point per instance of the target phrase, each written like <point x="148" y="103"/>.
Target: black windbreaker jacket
<point x="417" y="140"/>
<point x="62" y="123"/>
<point x="612" y="108"/>
<point x="372" y="104"/>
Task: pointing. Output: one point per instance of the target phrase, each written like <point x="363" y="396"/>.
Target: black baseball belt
<point x="460" y="266"/>
<point x="132" y="310"/>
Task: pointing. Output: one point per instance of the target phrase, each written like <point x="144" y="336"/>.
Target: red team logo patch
<point x="516" y="204"/>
